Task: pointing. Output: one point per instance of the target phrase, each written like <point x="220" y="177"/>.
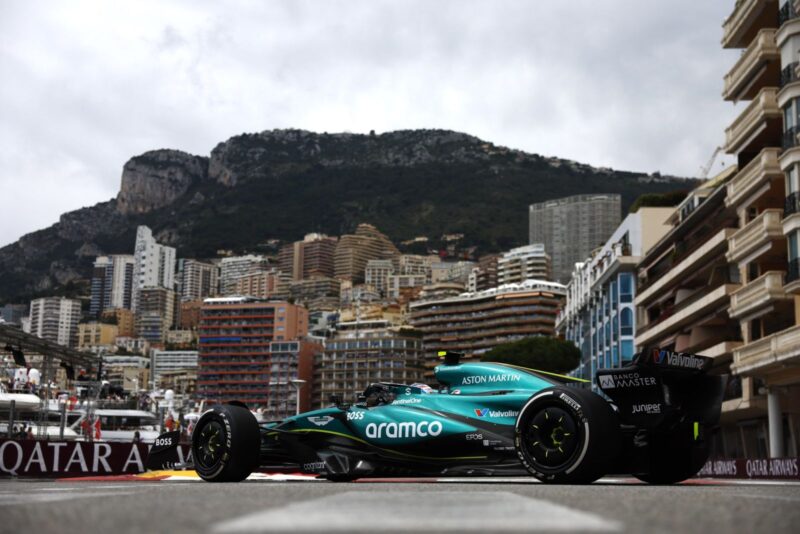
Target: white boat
<point x="23" y="402"/>
<point x="122" y="425"/>
<point x="39" y="431"/>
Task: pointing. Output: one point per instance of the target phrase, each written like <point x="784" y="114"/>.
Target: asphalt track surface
<point x="485" y="505"/>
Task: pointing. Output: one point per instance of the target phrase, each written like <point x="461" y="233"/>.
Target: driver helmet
<point x="424" y="387"/>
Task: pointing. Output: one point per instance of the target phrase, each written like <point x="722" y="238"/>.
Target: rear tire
<point x="674" y="457"/>
<point x="567" y="436"/>
<point x="226" y="444"/>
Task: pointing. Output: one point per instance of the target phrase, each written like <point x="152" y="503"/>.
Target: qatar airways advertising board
<point x="35" y="458"/>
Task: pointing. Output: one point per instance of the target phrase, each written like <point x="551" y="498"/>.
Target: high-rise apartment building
<point x="353" y="251"/>
<point x="251" y="350"/>
<point x="264" y="285"/>
<point x="313" y="256"/>
<point x="317" y="293"/>
<point x="361" y="354"/>
<point x="156" y="314"/>
<point x="164" y="361"/>
<point x="235" y="267"/>
<point x="197" y="279"/>
<point x="153" y="265"/>
<point x="451" y="271"/>
<point x="112" y="283"/>
<point x="377" y="273"/>
<point x="764" y="194"/>
<point x="599" y="316"/>
<point x="123" y="319"/>
<point x="96" y="336"/>
<point x="530" y="262"/>
<point x="474" y="323"/>
<point x="572" y="227"/>
<point x="685" y="283"/>
<point x="56" y="319"/>
<point x="484" y="275"/>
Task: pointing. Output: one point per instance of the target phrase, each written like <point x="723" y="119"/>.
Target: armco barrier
<point x="759" y="468"/>
<point x="40" y="458"/>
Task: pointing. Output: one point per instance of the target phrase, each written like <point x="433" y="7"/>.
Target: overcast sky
<point x="629" y="84"/>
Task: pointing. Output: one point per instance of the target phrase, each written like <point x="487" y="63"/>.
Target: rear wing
<point x="660" y="387"/>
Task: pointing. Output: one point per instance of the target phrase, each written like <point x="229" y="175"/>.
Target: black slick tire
<point x="567" y="435"/>
<point x="226" y="444"/>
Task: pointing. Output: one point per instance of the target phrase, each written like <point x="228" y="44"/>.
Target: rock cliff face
<point x="157" y="178"/>
<point x="280" y="184"/>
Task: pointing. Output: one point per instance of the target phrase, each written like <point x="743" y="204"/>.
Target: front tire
<point x="226" y="444"/>
<point x="567" y="436"/>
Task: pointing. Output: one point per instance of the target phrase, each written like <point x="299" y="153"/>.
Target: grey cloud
<point x="622" y="83"/>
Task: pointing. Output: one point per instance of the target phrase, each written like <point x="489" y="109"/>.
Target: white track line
<point x="485" y="511"/>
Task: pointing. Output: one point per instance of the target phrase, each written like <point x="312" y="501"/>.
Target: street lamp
<point x="298" y="385"/>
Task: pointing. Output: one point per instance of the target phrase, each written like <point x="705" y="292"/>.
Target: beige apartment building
<point x="724" y="282"/>
<point x="685" y="283"/>
<point x="764" y="194"/>
<point x="353" y="251"/>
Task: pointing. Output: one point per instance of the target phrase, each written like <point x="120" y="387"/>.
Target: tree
<point x="542" y="353"/>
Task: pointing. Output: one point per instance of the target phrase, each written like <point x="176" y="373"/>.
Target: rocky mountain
<point x="281" y="184"/>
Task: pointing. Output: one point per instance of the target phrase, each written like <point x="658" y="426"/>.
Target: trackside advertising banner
<point x="768" y="468"/>
<point x="34" y="458"/>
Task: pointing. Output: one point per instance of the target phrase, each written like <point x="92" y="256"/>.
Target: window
<point x="626" y="322"/>
<point x="613" y="289"/>
<point x="788" y="118"/>
<point x="625" y="287"/>
<point x="793" y="245"/>
<point x="792" y="180"/>
<point x="627" y="350"/>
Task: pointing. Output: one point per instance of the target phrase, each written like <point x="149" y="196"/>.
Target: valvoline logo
<point x="659" y="356"/>
<point x="481" y="412"/>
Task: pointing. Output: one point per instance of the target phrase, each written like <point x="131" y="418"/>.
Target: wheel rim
<point x="551" y="437"/>
<point x="210" y="444"/>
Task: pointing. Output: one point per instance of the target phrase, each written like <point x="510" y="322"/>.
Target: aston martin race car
<point x="650" y="419"/>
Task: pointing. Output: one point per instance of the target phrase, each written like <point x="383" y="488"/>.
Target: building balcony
<point x="685" y="314"/>
<point x="748" y="17"/>
<point x="721" y="350"/>
<point x="756" y="237"/>
<point x="756" y="123"/>
<point x="759" y="296"/>
<point x="771" y="353"/>
<point x="717" y="244"/>
<point x="758" y="66"/>
<point x="762" y="170"/>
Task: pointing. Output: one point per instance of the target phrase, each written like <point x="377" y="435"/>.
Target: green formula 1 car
<point x="486" y="419"/>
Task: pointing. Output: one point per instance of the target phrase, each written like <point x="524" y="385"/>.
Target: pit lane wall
<point x="765" y="468"/>
<point x="40" y="458"/>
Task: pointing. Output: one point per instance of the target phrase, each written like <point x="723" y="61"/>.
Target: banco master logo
<point x="677" y="359"/>
<point x="404" y="430"/>
<point x="607" y="382"/>
<point x="483" y="412"/>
